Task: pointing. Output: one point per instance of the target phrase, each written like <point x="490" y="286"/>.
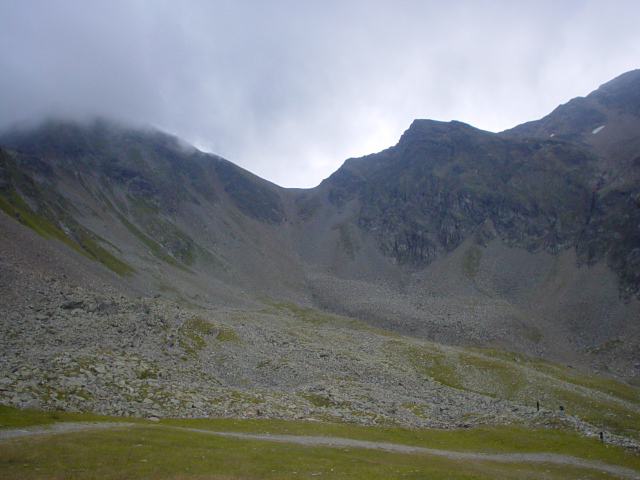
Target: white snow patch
<point x="596" y="130"/>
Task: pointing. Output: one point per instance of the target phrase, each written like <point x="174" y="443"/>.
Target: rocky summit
<point x="444" y="282"/>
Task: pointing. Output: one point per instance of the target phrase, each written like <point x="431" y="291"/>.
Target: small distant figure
<point x="601" y="437"/>
<point x="538" y="406"/>
<point x="561" y="409"/>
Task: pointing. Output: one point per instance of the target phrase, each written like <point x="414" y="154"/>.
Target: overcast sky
<point x="290" y="89"/>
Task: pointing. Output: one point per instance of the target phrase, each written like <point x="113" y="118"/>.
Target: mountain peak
<point x="628" y="82"/>
<point x="76" y="138"/>
<point x="622" y="93"/>
<point x="436" y="127"/>
<point x="577" y="119"/>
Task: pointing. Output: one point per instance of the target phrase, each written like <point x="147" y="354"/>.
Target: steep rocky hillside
<point x="150" y="208"/>
<point x="74" y="339"/>
<point x="527" y="239"/>
<point x="567" y="181"/>
<point x="127" y="247"/>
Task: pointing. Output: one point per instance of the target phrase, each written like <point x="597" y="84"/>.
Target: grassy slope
<point x="603" y="402"/>
<point x="162" y="451"/>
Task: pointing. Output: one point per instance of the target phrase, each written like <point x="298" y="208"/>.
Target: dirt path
<point x="553" y="458"/>
<point x="61" y="427"/>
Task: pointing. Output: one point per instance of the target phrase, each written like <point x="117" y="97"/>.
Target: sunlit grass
<point x="605" y="403"/>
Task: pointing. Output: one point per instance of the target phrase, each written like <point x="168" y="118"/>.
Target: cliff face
<point x="568" y="181"/>
<point x="443" y="182"/>
<point x="526" y="239"/>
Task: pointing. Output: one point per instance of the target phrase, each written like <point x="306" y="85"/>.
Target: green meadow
<point x="171" y="449"/>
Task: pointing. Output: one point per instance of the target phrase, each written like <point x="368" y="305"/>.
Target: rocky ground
<point x="73" y="338"/>
<point x="148" y="357"/>
<point x="77" y="350"/>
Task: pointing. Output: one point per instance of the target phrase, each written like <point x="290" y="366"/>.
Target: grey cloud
<point x="288" y="89"/>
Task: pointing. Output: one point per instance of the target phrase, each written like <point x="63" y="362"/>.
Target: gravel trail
<point x="61" y="427"/>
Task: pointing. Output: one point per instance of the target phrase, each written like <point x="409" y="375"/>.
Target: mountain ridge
<point x="454" y="234"/>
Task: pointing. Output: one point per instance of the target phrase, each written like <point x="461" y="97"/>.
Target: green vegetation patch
<point x="227" y="334"/>
<point x="45" y="212"/>
<point x="11" y="417"/>
<point x="471" y="261"/>
<point x="304" y="314"/>
<point x="81" y="241"/>
<point x="193" y="334"/>
<point x="317" y="317"/>
<point x="602" y="402"/>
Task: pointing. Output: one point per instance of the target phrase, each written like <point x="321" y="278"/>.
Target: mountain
<point x="527" y="239"/>
<point x="145" y="253"/>
<point x="164" y="209"/>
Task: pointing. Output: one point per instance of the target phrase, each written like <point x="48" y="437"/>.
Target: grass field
<point x="142" y="449"/>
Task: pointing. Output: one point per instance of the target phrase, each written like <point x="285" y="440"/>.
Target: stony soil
<point x="75" y="350"/>
<point x="80" y="351"/>
<point x="74" y="337"/>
